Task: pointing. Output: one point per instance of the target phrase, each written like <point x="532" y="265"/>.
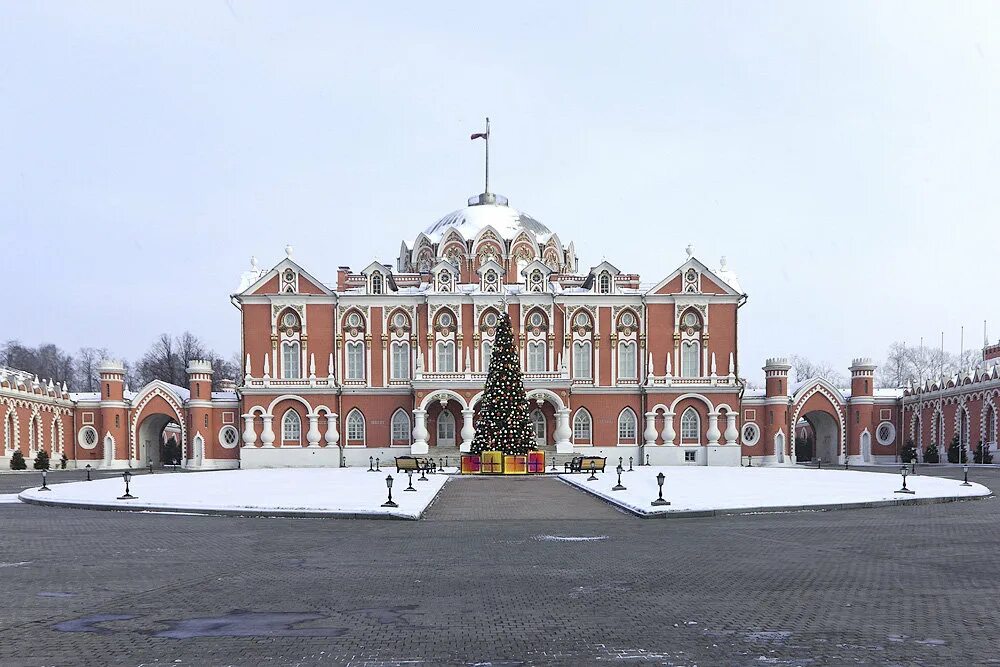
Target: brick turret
<point x="862" y="377"/>
<point x="776" y="377"/>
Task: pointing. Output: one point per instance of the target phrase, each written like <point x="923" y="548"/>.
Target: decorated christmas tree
<point x="503" y="423"/>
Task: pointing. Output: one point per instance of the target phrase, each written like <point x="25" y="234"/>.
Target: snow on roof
<point x="223" y="395"/>
<point x="474" y="218"/>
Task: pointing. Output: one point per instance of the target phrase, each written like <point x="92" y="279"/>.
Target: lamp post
<point x="618" y="486"/>
<point x="647" y="459"/>
<point x="913" y="466"/>
<point x="371" y="464"/>
<point x="410" y="487"/>
<point x="150" y="464"/>
<point x="903" y="471"/>
<point x="660" y="501"/>
<point x="423" y="475"/>
<point x="819" y="464"/>
<point x="965" y="473"/>
<point x="750" y="461"/>
<point x="553" y="468"/>
<point x="630" y="464"/>
<point x="593" y="477"/>
<point x="377" y="469"/>
<point x="440" y="467"/>
<point x="621" y="462"/>
<point x="847" y="463"/>
<point x="44" y="486"/>
<point x="388" y="485"/>
<point x="88" y="472"/>
<point x="127" y="476"/>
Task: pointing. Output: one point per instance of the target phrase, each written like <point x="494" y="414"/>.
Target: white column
<point x="563" y="432"/>
<point x="668" y="433"/>
<point x="313" y="434"/>
<point x="249" y="434"/>
<point x="731" y="433"/>
<point x="468" y="430"/>
<point x="649" y="435"/>
<point x="713" y="428"/>
<point x="267" y="435"/>
<point x="420" y="433"/>
<point x="332" y="436"/>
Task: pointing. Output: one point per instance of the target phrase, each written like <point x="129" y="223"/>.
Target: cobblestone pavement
<point x="898" y="586"/>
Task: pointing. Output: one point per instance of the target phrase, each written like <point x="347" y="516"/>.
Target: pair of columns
<point x="668" y="434"/>
<point x="420" y="434"/>
<point x="313" y="435"/>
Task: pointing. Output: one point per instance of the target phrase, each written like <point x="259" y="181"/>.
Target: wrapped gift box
<point x="536" y="462"/>
<point x="491" y="463"/>
<point x="470" y="464"/>
<point x="515" y="464"/>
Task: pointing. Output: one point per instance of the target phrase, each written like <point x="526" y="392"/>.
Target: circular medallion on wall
<point x="87" y="437"/>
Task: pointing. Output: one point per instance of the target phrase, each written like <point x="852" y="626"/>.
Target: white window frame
<point x="400" y="360"/>
<point x="628" y="427"/>
<point x="687" y="356"/>
<point x="355" y="360"/>
<point x="627" y="360"/>
<point x="583" y="360"/>
<point x="686" y="425"/>
<point x="355" y="421"/>
<point x="444" y="356"/>
<point x="580" y="419"/>
<point x="291" y="360"/>
<point x="538" y="420"/>
<point x="291" y="429"/>
<point x="537" y="353"/>
<point x="396" y="423"/>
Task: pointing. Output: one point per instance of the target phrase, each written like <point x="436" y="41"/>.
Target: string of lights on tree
<point x="503" y="423"/>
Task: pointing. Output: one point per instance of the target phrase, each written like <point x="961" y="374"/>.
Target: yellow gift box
<point x="515" y="464"/>
<point x="491" y="463"/>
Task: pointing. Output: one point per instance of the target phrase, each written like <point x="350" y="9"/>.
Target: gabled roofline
<point x="277" y="269"/>
<point x="698" y="264"/>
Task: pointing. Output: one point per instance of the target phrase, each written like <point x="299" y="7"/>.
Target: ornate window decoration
<point x="355" y="427"/>
<point x="692" y="281"/>
<point x="399" y="348"/>
<point x="538" y="426"/>
<point x="289" y="282"/>
<point x="401" y="427"/>
<point x="58" y="444"/>
<point x="536" y="281"/>
<point x="536" y="328"/>
<point x="491" y="281"/>
<point x="229" y="437"/>
<point x="627" y="331"/>
<point x="691" y="328"/>
<point x="445" y="341"/>
<point x="690" y="427"/>
<point x="626" y="360"/>
<point x="289" y="327"/>
<point x="990" y="426"/>
<point x="626" y="427"/>
<point x="582" y="427"/>
<point x="604" y="283"/>
<point x="355" y="352"/>
<point x="400" y="360"/>
<point x="35" y="439"/>
<point x="582" y="325"/>
<point x="488" y="322"/>
<point x="885" y="433"/>
<point x="377" y="283"/>
<point x="751" y="434"/>
<point x="87" y="438"/>
<point x="291" y="428"/>
<point x="445" y="280"/>
<point x="10" y="430"/>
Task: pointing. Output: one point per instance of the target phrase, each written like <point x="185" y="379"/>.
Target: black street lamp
<point x="440" y="467"/>
<point x="593" y="477"/>
<point x="127" y="476"/>
<point x="647" y="459"/>
<point x="913" y="466"/>
<point x="410" y="487"/>
<point x="847" y="463"/>
<point x="750" y="461"/>
<point x="819" y="464"/>
<point x="423" y="475"/>
<point x="88" y="472"/>
<point x="44" y="486"/>
<point x="377" y="469"/>
<point x="965" y="472"/>
<point x="903" y="471"/>
<point x="630" y="464"/>
<point x="371" y="464"/>
<point x="660" y="501"/>
<point x="388" y="484"/>
<point x="621" y="462"/>
<point x="618" y="486"/>
<point x="150" y="464"/>
<point x="553" y="468"/>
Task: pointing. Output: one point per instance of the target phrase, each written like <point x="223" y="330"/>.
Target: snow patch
<point x="571" y="538"/>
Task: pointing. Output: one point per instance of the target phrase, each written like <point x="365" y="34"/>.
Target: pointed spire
<point x="64" y="387"/>
<point x="713" y="363"/>
<point x="732" y="366"/>
<point x="468" y="360"/>
<point x="248" y="365"/>
<point x="329" y="368"/>
<point x="312" y="365"/>
<point x="267" y="366"/>
<point x="668" y="364"/>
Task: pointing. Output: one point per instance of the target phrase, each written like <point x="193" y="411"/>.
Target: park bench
<point x="405" y="463"/>
<point x="584" y="463"/>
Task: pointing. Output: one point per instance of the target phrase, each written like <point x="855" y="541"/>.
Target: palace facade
<point x="392" y="360"/>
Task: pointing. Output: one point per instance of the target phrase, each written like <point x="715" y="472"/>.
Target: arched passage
<point x="818" y="406"/>
<point x="825" y="438"/>
<point x="157" y="440"/>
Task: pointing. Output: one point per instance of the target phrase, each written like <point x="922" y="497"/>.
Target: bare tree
<point x="912" y="365"/>
<point x="806" y="369"/>
<point x="85" y="371"/>
<point x="47" y="361"/>
<point x="160" y="363"/>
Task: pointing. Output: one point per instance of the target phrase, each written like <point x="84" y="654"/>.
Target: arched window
<point x="377" y="279"/>
<point x="690" y="366"/>
<point x="446" y="357"/>
<point x="581" y="360"/>
<point x="690" y="426"/>
<point x="963" y="428"/>
<point x="356" y="427"/>
<point x="8" y="429"/>
<point x="291" y="428"/>
<point x="400" y="427"/>
<point x="536" y="356"/>
<point x="991" y="426"/>
<point x="291" y="366"/>
<point x="604" y="283"/>
<point x="57" y="439"/>
<point x="356" y="360"/>
<point x="626" y="427"/>
<point x="581" y="427"/>
<point x="538" y="426"/>
<point x="626" y="360"/>
<point x="487" y="354"/>
<point x="400" y="361"/>
<point x="34" y="434"/>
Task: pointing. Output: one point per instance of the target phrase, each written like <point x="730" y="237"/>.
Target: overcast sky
<point x="845" y="157"/>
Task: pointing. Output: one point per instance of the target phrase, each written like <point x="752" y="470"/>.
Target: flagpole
<point x="487" y="190"/>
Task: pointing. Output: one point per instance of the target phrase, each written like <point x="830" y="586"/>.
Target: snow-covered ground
<point x="279" y="491"/>
<point x="703" y="488"/>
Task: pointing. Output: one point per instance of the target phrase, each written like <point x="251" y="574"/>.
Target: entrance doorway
<point x="446" y="429"/>
<point x="825" y="432"/>
<point x="159" y="441"/>
<point x="538" y="426"/>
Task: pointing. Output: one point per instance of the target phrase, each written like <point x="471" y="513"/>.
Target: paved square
<point x="904" y="585"/>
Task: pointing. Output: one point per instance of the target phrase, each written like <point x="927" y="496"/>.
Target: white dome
<point x="488" y="211"/>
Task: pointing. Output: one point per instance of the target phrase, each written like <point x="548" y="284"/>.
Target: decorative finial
<point x="689" y="250"/>
<point x="288" y="251"/>
<point x="253" y="263"/>
<point x="722" y="262"/>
